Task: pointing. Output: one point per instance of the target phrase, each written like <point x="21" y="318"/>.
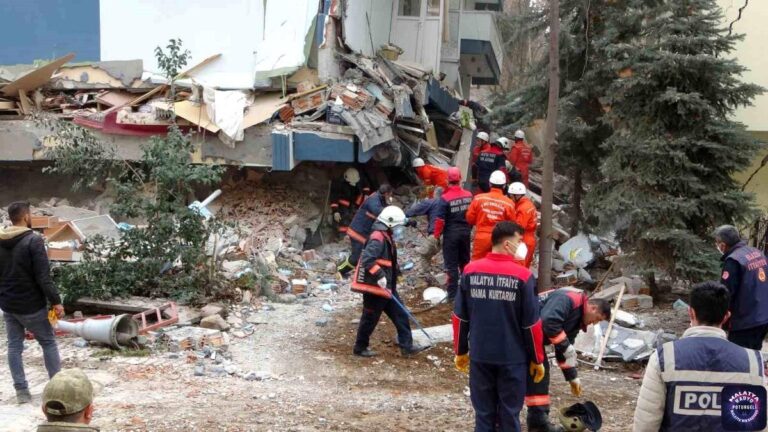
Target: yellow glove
<point x="537" y="372"/>
<point x="53" y="317"/>
<point x="462" y="363"/>
<point x="575" y="387"/>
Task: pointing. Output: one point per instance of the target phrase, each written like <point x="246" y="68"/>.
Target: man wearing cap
<point x="68" y="403"/>
<point x="452" y="224"/>
<point x="432" y="176"/>
<point x="486" y="211"/>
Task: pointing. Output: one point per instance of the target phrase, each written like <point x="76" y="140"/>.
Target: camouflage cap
<point x="68" y="392"/>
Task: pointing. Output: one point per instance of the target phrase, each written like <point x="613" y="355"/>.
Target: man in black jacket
<point x="25" y="286"/>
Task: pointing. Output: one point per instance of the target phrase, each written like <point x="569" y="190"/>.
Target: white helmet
<point x="498" y="178"/>
<point x="392" y="216"/>
<point x="418" y="162"/>
<point x="519" y="134"/>
<point x="483" y="136"/>
<point x="352" y="176"/>
<point x="517" y="188"/>
<point x="504" y="141"/>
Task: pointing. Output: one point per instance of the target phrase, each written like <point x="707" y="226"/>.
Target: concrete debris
<point x="624" y="344"/>
<point x="438" y="334"/>
<point x="192" y="338"/>
<point x="636" y="301"/>
<point x="215" y="322"/>
<point x="635" y="284"/>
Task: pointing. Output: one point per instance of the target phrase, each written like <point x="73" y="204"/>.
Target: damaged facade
<point x="307" y="80"/>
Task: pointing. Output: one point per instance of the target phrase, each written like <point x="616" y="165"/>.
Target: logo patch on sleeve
<point x="761" y="275"/>
<point x="725" y="275"/>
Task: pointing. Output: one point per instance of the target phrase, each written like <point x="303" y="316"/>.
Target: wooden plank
<point x="608" y="330"/>
<point x="61" y="255"/>
<point x="35" y="78"/>
<point x="114" y="98"/>
<point x="262" y="109"/>
<point x="195" y="113"/>
<point x="44" y="221"/>
<point x="25" y="103"/>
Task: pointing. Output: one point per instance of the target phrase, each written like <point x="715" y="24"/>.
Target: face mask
<point x="522" y="251"/>
<point x="398" y="233"/>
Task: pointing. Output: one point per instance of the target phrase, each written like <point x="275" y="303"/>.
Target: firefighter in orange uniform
<point x="486" y="211"/>
<point x="521" y="156"/>
<point x="431" y="175"/>
<point x="526" y="217"/>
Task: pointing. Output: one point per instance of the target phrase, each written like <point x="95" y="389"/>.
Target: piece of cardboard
<point x="196" y="114"/>
<point x="35" y="78"/>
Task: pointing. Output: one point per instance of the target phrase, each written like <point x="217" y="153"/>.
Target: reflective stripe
<point x="359" y="200"/>
<point x="669" y="357"/>
<point x="343" y="202"/>
<point x="564" y="365"/>
<point x="556" y="339"/>
<point x="370" y="215"/>
<point x="355" y="236"/>
<point x="342" y="229"/>
<point x="537" y="400"/>
<point x="375" y="269"/>
<point x="334" y="205"/>
<point x="384" y="262"/>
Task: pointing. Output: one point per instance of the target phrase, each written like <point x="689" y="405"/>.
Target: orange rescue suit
<point x="433" y="176"/>
<point x="521" y="157"/>
<point x="486" y="210"/>
<point x="526" y="217"/>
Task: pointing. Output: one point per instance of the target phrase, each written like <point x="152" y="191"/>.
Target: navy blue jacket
<point x="745" y="274"/>
<point x="497" y="313"/>
<point x="694" y="370"/>
<point x="452" y="211"/>
<point x="427" y="207"/>
<point x="366" y="215"/>
<point x="378" y="260"/>
<point x="488" y="161"/>
<point x="561" y="318"/>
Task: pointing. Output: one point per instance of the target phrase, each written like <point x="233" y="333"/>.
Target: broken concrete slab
<point x="212" y="309"/>
<point x="438" y="334"/>
<point x="609" y="293"/>
<point x="215" y="322"/>
<point x="634" y="283"/>
<point x="636" y="301"/>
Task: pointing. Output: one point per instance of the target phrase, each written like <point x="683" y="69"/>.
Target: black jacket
<point x="25" y="275"/>
<point x="378" y="259"/>
<point x="561" y="317"/>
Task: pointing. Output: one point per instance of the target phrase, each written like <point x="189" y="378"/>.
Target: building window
<point x="482" y="5"/>
<point x="433" y="8"/>
<point x="410" y="8"/>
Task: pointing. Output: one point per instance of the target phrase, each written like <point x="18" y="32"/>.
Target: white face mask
<point x="522" y="251"/>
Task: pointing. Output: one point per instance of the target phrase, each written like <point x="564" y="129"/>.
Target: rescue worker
<point x="347" y="196"/>
<point x="683" y="386"/>
<point x="527" y="217"/>
<point x="486" y="211"/>
<point x="376" y="278"/>
<point x="430" y="208"/>
<point x="513" y="175"/>
<point x="489" y="160"/>
<point x="431" y="175"/>
<point x="521" y="156"/>
<point x="452" y="224"/>
<point x="745" y="272"/>
<point x="360" y="227"/>
<point x="497" y="334"/>
<point x="482" y="143"/>
<point x="563" y="313"/>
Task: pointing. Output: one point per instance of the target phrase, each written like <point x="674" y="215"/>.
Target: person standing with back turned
<point x="25" y="286"/>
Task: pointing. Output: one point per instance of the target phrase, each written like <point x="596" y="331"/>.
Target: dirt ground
<point x="309" y="379"/>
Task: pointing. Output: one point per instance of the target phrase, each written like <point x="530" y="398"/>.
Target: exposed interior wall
<point x="358" y="33"/>
<point x="132" y="30"/>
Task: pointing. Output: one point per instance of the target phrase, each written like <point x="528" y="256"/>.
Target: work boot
<point x="23" y="396"/>
<point x="539" y="422"/>
<point x="364" y="353"/>
<point x="413" y="349"/>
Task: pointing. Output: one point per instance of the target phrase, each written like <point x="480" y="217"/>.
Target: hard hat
<point x="504" y="141"/>
<point x="352" y="176"/>
<point x="517" y="188"/>
<point x="392" y="216"/>
<point x="454" y="175"/>
<point x="519" y="134"/>
<point x="418" y="162"/>
<point x="498" y="178"/>
<point x="581" y="416"/>
<point x="483" y="136"/>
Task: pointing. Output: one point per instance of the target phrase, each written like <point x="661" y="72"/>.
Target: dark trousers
<point x="485" y="186"/>
<point x="38" y="324"/>
<point x="357" y="249"/>
<point x="373" y="306"/>
<point x="751" y="338"/>
<point x="497" y="393"/>
<point x="456" y="245"/>
<point x="537" y="399"/>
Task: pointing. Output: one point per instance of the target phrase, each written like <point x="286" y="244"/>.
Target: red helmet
<point x="454" y="175"/>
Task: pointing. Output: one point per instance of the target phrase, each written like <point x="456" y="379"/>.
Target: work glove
<point x="537" y="371"/>
<point x="411" y="223"/>
<point x="382" y="282"/>
<point x="570" y="356"/>
<point x="575" y="387"/>
<point x="337" y="217"/>
<point x="59" y="309"/>
<point x="462" y="363"/>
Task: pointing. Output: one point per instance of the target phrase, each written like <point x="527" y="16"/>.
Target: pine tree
<point x="667" y="171"/>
